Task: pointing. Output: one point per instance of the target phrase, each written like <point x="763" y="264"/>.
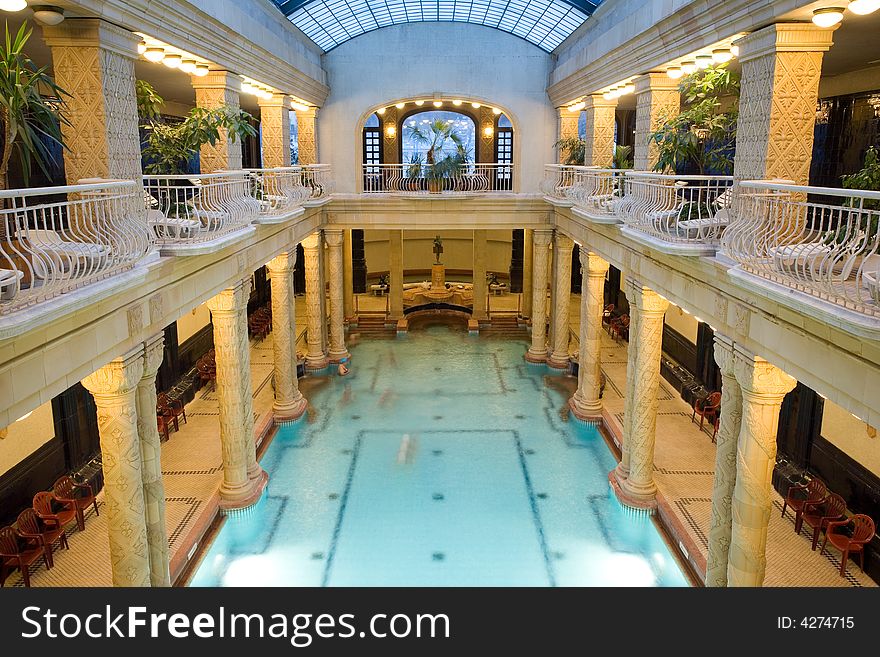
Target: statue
<point x="438" y="248"/>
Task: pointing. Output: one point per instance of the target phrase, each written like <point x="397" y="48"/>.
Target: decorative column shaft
<point x="338" y="352"/>
<point x="657" y="100"/>
<point x="562" y="248"/>
<point x="94" y="61"/>
<point x="347" y="277"/>
<point x="537" y="352"/>
<point x="216" y="89"/>
<point x="275" y="128"/>
<point x="527" y="283"/>
<point x="395" y="273"/>
<point x="781" y="67"/>
<point x="151" y="463"/>
<point x="599" y="140"/>
<point x="621" y="472"/>
<point x="763" y="388"/>
<point x="725" y="464"/>
<point x="289" y="401"/>
<point x="243" y="479"/>
<point x="586" y="403"/>
<point x="638" y="490"/>
<point x="312" y="245"/>
<point x="479" y="275"/>
<point x="567" y="128"/>
<point x="307" y="135"/>
<point x="113" y="387"/>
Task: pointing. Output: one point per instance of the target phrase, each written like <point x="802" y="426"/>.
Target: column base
<point x="536" y="356"/>
<point x="245" y="498"/>
<point x="316" y="362"/>
<point x="589" y="413"/>
<point x="638" y="500"/>
<point x="291" y="411"/>
<point x="558" y="361"/>
<point x="338" y="356"/>
<point x="619" y="474"/>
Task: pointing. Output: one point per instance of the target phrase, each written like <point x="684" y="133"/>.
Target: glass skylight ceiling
<point x="546" y="23"/>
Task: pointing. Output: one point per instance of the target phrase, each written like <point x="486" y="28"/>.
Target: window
<point x="504" y="154"/>
<point x="372" y="148"/>
<point x="415" y="149"/>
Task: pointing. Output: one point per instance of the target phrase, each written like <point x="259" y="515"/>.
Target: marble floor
<point x="684" y="459"/>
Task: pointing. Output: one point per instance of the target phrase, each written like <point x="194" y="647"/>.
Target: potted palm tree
<point x="440" y="137"/>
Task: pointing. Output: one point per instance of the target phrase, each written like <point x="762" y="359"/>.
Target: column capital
<point x="759" y="378"/>
<point x="311" y="112"/>
<point x="92" y="32"/>
<point x="724" y="354"/>
<point x="593" y="265"/>
<point x="333" y="237"/>
<point x="277" y="100"/>
<point x="219" y="79"/>
<point x="785" y="37"/>
<point x="312" y="241"/>
<point x="233" y="299"/>
<point x="563" y="242"/>
<point x="119" y="376"/>
<point x="649" y="302"/>
<point x="654" y="81"/>
<point x="283" y="262"/>
<point x="154" y="352"/>
<point x="596" y="101"/>
<point x="542" y="237"/>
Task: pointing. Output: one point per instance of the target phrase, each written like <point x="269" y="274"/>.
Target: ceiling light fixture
<point x="688" y="67"/>
<point x="674" y="72"/>
<point x="380" y="111"/>
<point x="704" y="61"/>
<point x="299" y="107"/>
<point x="172" y="60"/>
<point x="438" y="103"/>
<point x="734" y="50"/>
<point x="142" y="47"/>
<point x="188" y="66"/>
<point x="400" y="105"/>
<point x="476" y="105"/>
<point x="154" y="55"/>
<point x="247" y="88"/>
<point x="496" y="111"/>
<point x="629" y="88"/>
<point x="827" y="16"/>
<point x="201" y="70"/>
<point x="456" y="102"/>
<point x="48" y="14"/>
<point x="420" y="103"/>
<point x="721" y="55"/>
<point x="862" y="7"/>
<point x="607" y="95"/>
<point x="13" y="5"/>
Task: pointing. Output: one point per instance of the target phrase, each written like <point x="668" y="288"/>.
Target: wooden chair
<point x="28" y="525"/>
<point x="81" y="496"/>
<point x="708" y="408"/>
<point x="162" y="425"/>
<point x="862" y="533"/>
<point x="620" y="327"/>
<point x="813" y="492"/>
<point x="51" y="511"/>
<point x="207" y="368"/>
<point x="171" y="409"/>
<point x="19" y="552"/>
<point x="607" y="316"/>
<point x="818" y="516"/>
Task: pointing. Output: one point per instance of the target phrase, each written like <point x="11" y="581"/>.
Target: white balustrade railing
<point x="827" y="247"/>
<point x="319" y="179"/>
<point x="198" y="208"/>
<point x="279" y="191"/>
<point x="559" y="179"/>
<point x="597" y="192"/>
<point x="685" y="210"/>
<point x="54" y="240"/>
<point x="417" y="179"/>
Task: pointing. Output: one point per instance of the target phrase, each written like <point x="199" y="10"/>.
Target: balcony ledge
<point x="211" y="246"/>
<point x="270" y="220"/>
<point x="606" y="219"/>
<point x="692" y="249"/>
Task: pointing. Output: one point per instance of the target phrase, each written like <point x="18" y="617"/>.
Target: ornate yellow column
<point x="275" y="126"/>
<point x="528" y="259"/>
<point x="599" y="147"/>
<point x="657" y="100"/>
<point x="316" y="359"/>
<point x="621" y="472"/>
<point x="347" y="277"/>
<point x="214" y="90"/>
<point x="781" y="67"/>
<point x="307" y="135"/>
<point x="586" y="403"/>
<point x="388" y="125"/>
<point x="94" y="61"/>
<point x="243" y="479"/>
<point x="638" y="490"/>
<point x="763" y="388"/>
<point x="725" y="464"/>
<point x="395" y="273"/>
<point x="537" y="352"/>
<point x="479" y="275"/>
<point x="567" y="127"/>
<point x="562" y="247"/>
<point x="113" y="387"/>
<point x="289" y="401"/>
<point x="334" y="240"/>
<point x="151" y="463"/>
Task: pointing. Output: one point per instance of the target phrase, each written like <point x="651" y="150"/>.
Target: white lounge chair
<point x="89" y="253"/>
<point x="9" y="280"/>
<point x="173" y="227"/>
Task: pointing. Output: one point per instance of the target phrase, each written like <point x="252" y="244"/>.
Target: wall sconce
<point x="488" y="132"/>
<point x="390" y="132"/>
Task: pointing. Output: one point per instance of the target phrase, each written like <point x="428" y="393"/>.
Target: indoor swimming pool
<point x="442" y="460"/>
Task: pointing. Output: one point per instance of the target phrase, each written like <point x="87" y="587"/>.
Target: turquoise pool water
<point x="441" y="460"/>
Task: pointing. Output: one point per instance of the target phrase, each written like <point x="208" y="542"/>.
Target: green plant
<point x="866" y="178"/>
<point x="440" y="137"/>
<point x="621" y="158"/>
<point x="701" y="135"/>
<point x="27" y="116"/>
<point x="149" y="102"/>
<point x="574" y="148"/>
<point x="170" y="146"/>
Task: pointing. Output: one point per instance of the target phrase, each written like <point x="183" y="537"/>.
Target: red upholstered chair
<point x="818" y="516"/>
<point x="619" y="327"/>
<point x="171" y="409"/>
<point x="862" y="533"/>
<point x="28" y="525"/>
<point x="708" y="408"/>
<point x="51" y="511"/>
<point x="81" y="496"/>
<point x="812" y="492"/>
<point x="18" y="552"/>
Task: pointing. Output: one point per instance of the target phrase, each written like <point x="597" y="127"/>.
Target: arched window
<point x="422" y="131"/>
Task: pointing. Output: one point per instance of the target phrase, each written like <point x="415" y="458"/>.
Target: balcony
<point x="57" y="240"/>
<point x="280" y="192"/>
<point x="558" y="180"/>
<point x="821" y="242"/>
<point x="596" y="194"/>
<point x="319" y="179"/>
<point x="416" y="180"/>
